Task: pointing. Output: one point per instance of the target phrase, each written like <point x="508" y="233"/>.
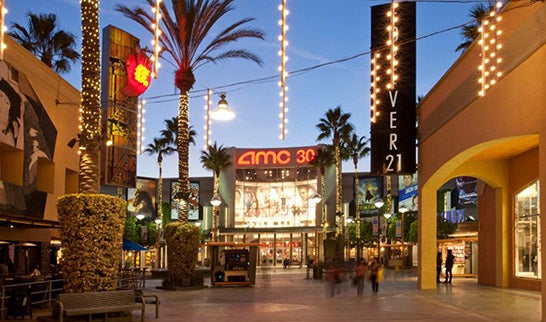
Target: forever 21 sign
<point x="274" y="158"/>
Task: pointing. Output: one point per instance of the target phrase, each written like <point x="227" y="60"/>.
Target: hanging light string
<point x="392" y="30"/>
<point x="155" y="41"/>
<point x="282" y="69"/>
<point x="491" y="46"/>
<point x="208" y="131"/>
<point x="3" y="28"/>
<point x="140" y="125"/>
<point x="374" y="88"/>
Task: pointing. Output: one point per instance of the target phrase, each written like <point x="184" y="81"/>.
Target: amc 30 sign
<point x="274" y="158"/>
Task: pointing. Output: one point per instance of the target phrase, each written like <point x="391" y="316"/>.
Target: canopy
<point x="129" y="245"/>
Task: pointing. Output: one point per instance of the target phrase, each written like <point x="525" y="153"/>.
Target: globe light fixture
<point x="222" y="111"/>
<point x="215" y="201"/>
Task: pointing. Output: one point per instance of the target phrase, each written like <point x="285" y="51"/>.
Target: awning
<point x="129" y="245"/>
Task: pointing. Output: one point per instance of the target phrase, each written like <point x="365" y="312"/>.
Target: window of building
<point x="527" y="232"/>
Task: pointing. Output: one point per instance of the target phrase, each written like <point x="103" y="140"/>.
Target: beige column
<point x="426" y="278"/>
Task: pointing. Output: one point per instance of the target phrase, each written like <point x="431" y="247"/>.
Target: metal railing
<point x="37" y="293"/>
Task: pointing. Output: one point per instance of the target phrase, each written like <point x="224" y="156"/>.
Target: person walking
<point x="438" y="266"/>
<point x="360" y="275"/>
<point x="449" y="266"/>
<point x="375" y="269"/>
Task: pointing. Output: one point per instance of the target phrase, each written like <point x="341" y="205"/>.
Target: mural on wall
<point x="24" y="126"/>
<point x="141" y="200"/>
<point x="194" y="201"/>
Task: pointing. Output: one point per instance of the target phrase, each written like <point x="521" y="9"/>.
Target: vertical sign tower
<point x="393" y="99"/>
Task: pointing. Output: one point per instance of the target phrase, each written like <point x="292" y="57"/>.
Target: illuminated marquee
<point x="275" y="157"/>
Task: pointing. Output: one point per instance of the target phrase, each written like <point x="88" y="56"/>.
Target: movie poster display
<point x="193" y="213"/>
<point x="275" y="204"/>
<point x="465" y="194"/>
<point x="141" y="200"/>
<point x="407" y="192"/>
<point x="370" y="190"/>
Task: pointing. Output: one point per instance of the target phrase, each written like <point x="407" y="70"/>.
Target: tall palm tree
<point x="159" y="146"/>
<point x="170" y="133"/>
<point x="91" y="130"/>
<point x="470" y="31"/>
<point x="323" y="159"/>
<point x="52" y="46"/>
<point x="335" y="126"/>
<point x="356" y="148"/>
<point x="216" y="159"/>
<point x="183" y="39"/>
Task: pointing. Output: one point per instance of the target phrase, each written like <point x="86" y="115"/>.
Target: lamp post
<point x="215" y="202"/>
<point x="158" y="242"/>
<point x="403" y="210"/>
<point x="316" y="198"/>
<point x="378" y="204"/>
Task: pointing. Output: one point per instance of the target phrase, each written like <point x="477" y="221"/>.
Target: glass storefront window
<point x="527" y="232"/>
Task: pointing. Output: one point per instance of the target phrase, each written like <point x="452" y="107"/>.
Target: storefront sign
<point x="275" y="157"/>
<point x="393" y="118"/>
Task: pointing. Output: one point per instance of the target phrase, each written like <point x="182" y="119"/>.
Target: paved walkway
<point x="285" y="295"/>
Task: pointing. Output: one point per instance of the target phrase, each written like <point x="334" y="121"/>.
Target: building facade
<point x="39" y="113"/>
<point x="496" y="134"/>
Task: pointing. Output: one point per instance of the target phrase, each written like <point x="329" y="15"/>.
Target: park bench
<point x="105" y="302"/>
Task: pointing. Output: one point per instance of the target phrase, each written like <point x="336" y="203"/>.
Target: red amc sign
<point x="274" y="158"/>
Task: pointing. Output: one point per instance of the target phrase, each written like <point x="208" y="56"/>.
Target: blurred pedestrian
<point x="360" y="276"/>
<point x="375" y="274"/>
<point x="450" y="259"/>
<point x="438" y="266"/>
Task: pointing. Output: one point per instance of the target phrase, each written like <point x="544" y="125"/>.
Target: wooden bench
<point x="89" y="303"/>
<point x="147" y="299"/>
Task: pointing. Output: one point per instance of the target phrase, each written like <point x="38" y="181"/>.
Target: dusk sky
<point x="320" y="32"/>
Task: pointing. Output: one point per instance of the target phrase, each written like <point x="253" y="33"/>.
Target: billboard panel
<point x="370" y="190"/>
<point x="141" y="200"/>
<point x="193" y="213"/>
<point x="275" y="204"/>
<point x="407" y="191"/>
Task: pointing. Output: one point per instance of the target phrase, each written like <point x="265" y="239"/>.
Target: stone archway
<point x="488" y="162"/>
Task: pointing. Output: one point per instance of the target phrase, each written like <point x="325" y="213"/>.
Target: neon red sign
<point x="275" y="157"/>
<point x="139" y="73"/>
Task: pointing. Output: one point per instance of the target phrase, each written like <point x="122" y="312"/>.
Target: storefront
<point x="495" y="134"/>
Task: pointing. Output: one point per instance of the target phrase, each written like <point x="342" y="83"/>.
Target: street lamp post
<point x="379" y="204"/>
<point x="215" y="202"/>
<point x="316" y="198"/>
<point x="403" y="210"/>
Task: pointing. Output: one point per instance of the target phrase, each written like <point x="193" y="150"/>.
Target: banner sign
<point x="393" y="99"/>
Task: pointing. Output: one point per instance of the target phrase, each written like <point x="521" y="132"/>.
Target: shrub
<point x="91" y="234"/>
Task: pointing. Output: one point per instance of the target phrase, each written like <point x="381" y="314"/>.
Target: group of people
<point x="363" y="271"/>
<point x="450" y="260"/>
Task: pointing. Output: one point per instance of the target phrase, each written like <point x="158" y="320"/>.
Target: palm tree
<point x="335" y="126"/>
<point x="53" y="47"/>
<point x="323" y="159"/>
<point x="356" y="148"/>
<point x="160" y="146"/>
<point x="470" y="31"/>
<point x="91" y="131"/>
<point x="170" y="133"/>
<point x="182" y="38"/>
<point x="216" y="159"/>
